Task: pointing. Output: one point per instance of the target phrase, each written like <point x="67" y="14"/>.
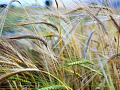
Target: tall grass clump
<point x="65" y="47"/>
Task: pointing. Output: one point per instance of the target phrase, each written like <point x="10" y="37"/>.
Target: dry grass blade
<point x="56" y="3"/>
<point x="89" y="39"/>
<point x="103" y="27"/>
<point x="29" y="37"/>
<point x="76" y="23"/>
<point x="115" y="23"/>
<point x="22" y="24"/>
<point x="13" y="73"/>
<point x="7" y="63"/>
<point x="56" y="16"/>
<point x="81" y="8"/>
<point x="82" y="84"/>
<point x="4" y="17"/>
<point x="27" y="16"/>
<point x="11" y="56"/>
<point x="117" y="75"/>
<point x="118" y="28"/>
<point x="52" y="35"/>
<point x="114" y="56"/>
<point x="3" y="78"/>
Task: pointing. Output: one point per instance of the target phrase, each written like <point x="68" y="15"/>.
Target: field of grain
<point x="60" y="48"/>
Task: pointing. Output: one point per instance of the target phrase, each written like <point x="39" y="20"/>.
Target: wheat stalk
<point x="29" y="37"/>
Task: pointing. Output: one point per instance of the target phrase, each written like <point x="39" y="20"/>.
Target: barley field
<point x="67" y="46"/>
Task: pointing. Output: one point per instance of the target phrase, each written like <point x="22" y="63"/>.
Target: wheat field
<point x="72" y="46"/>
